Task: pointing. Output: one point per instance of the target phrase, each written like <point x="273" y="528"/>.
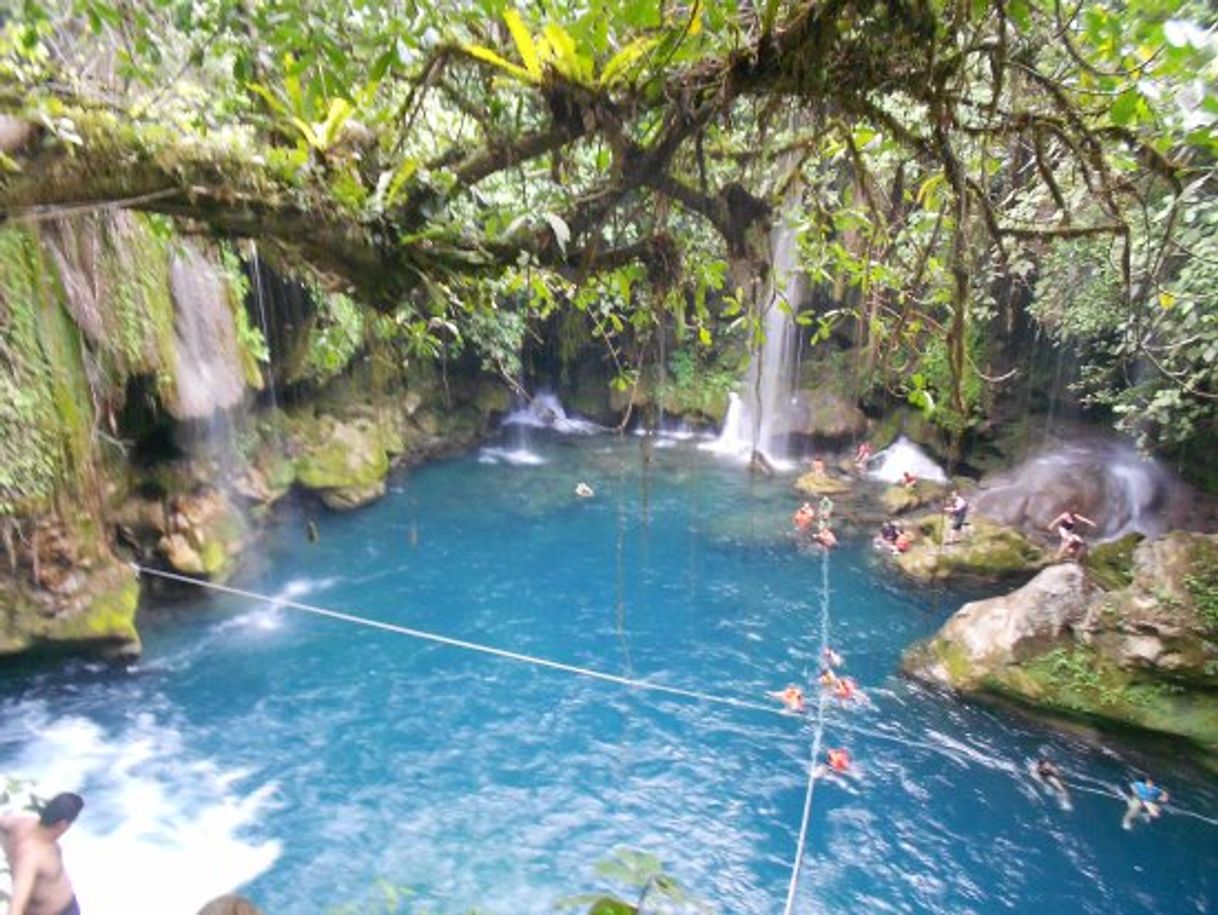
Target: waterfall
<point x="207" y="362"/>
<point x="891" y="464"/>
<point x="757" y="418"/>
<point x="260" y="300"/>
<point x="1106" y="481"/>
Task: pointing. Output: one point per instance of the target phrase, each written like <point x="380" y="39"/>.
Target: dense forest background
<point x="979" y="193"/>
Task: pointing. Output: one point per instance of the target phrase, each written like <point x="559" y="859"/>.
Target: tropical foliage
<point x="455" y="163"/>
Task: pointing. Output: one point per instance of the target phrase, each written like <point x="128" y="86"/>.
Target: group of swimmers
<point x="1145" y="800"/>
<point x="837" y="759"/>
<point x="806" y="515"/>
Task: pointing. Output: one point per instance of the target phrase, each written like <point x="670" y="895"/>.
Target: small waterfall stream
<point x="757" y="419"/>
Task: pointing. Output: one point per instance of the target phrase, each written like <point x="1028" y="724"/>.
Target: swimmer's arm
<point x="25" y="870"/>
<point x="1086" y="521"/>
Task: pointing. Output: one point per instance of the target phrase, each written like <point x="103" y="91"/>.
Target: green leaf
<point x="1125" y="107"/>
<point x="524" y="43"/>
<point x="491" y="57"/>
<point x="620" y="64"/>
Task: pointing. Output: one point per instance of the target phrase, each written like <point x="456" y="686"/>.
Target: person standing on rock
<point x="31" y="844"/>
<point x="956" y="509"/>
<point x="1065" y="523"/>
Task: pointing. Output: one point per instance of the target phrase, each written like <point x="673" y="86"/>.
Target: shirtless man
<point x="40" y="883"/>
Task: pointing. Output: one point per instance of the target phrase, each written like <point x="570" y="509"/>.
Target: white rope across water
<point x="817" y="735"/>
<point x="633" y="683"/>
<point x="467" y="645"/>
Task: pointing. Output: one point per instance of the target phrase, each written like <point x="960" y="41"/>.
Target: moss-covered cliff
<point x="1132" y="648"/>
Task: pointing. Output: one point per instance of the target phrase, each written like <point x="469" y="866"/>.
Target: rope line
<point x="469" y="646"/>
<point x="817" y="737"/>
<point x="633" y="683"/>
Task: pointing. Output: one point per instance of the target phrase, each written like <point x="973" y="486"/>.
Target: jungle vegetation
<point x="472" y="169"/>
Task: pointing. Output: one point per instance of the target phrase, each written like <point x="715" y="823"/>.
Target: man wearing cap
<point x="31" y="844"/>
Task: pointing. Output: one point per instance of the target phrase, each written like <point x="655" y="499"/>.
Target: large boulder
<point x="824" y="415"/>
<point x="820" y="483"/>
<point x="205" y="534"/>
<point x="345" y="461"/>
<point x="987" y="637"/>
<point x="985" y="550"/>
<point x="1144" y="655"/>
<point x="67" y="588"/>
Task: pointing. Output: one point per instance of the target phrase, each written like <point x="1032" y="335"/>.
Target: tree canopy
<point x="943" y="163"/>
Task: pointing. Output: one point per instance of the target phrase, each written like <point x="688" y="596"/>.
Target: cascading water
<point x="207" y="361"/>
<point x="543" y="411"/>
<point x="1105" y="481"/>
<point x="757" y="420"/>
<point x="901" y="457"/>
<point x="260" y="300"/>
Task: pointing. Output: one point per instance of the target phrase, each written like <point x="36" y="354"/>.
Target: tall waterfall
<point x="758" y="417"/>
<point x="208" y="363"/>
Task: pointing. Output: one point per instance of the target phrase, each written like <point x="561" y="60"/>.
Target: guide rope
<point x="817" y="737"/>
<point x="634" y="683"/>
<point x="465" y="644"/>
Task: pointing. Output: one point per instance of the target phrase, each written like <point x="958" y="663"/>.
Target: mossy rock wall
<point x="1140" y="655"/>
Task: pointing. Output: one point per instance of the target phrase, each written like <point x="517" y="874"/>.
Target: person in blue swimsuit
<point x="1146" y="799"/>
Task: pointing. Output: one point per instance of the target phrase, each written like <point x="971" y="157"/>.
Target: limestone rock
<point x="344" y="461"/>
<point x="1143" y="655"/>
<point x="985" y="550"/>
<point x="985" y="636"/>
<point x="76" y="593"/>
<point x="821" y="484"/>
<point x="205" y="535"/>
<point x="823" y="414"/>
<point x="901" y="499"/>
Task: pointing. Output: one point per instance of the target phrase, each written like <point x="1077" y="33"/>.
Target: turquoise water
<point x="319" y="764"/>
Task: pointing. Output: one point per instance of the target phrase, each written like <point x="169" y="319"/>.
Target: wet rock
<point x="985" y="550"/>
<point x="898" y="500"/>
<point x="206" y="534"/>
<point x="824" y="415"/>
<point x="67" y="588"/>
<point x="815" y="483"/>
<point x="1143" y="655"/>
<point x="343" y="461"/>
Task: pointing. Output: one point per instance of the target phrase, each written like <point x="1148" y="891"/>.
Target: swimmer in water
<point x="1046" y="772"/>
<point x="837" y="762"/>
<point x="1146" y="800"/>
<point x="831" y="658"/>
<point x="846" y="690"/>
<point x="792" y="697"/>
<point x="584" y="491"/>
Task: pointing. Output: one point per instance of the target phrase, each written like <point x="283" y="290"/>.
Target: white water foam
<point x="890" y="465"/>
<point x="517" y="457"/>
<point x="545" y="411"/>
<point x="161" y="832"/>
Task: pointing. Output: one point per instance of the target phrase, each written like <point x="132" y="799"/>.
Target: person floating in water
<point x="956" y="510"/>
<point x="584" y="491"/>
<point x="847" y="690"/>
<point x="1146" y="800"/>
<point x="792" y="697"/>
<point x="803" y="517"/>
<point x="887" y="537"/>
<point x="831" y="658"/>
<point x="837" y="762"/>
<point x="1049" y="775"/>
<point x="825" y="537"/>
<point x="1065" y="524"/>
<point x="40" y="884"/>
